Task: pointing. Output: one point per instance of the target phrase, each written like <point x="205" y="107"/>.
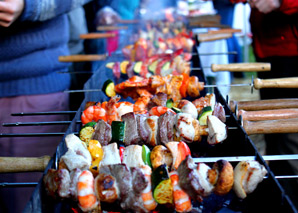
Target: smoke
<point x="156" y="9"/>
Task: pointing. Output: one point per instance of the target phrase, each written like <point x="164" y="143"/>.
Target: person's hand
<point x="265" y="6"/>
<point x="107" y="16"/>
<point x="10" y="10"/>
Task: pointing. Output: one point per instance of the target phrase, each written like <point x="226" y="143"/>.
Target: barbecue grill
<point x="269" y="195"/>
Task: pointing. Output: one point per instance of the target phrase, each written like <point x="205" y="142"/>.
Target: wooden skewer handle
<point x="124" y="21"/>
<point x="241" y="67"/>
<point x="213" y="37"/>
<point x="23" y="164"/>
<point x="264" y="104"/>
<point x="97" y="35"/>
<point x="276" y="83"/>
<point x="81" y="58"/>
<point x="110" y="28"/>
<point x="270" y="127"/>
<point x="228" y="30"/>
<point x="275" y="114"/>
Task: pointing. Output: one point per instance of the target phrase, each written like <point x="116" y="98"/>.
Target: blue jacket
<point x="30" y="47"/>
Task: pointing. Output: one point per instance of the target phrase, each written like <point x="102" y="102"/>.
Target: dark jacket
<point x="276" y="33"/>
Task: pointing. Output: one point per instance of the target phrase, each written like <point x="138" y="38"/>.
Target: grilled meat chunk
<point x="74" y="176"/>
<point x="74" y="143"/>
<point x="166" y="127"/>
<point x="142" y="130"/>
<point x="131" y="130"/>
<point x="57" y="183"/>
<point x="110" y="155"/>
<point x="217" y="130"/>
<point x="185" y="128"/>
<point x="73" y="161"/>
<point x="159" y="99"/>
<point x="102" y="132"/>
<point x="203" y="172"/>
<point x="139" y="180"/>
<point x="219" y="112"/>
<point x="131" y="182"/>
<point x="189" y="179"/>
<point x="132" y="156"/>
<point x="152" y="126"/>
<point x="247" y="176"/>
<point x="106" y="188"/>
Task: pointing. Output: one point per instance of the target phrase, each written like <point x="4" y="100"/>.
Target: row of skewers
<point x="138" y="180"/>
<point x="109" y="172"/>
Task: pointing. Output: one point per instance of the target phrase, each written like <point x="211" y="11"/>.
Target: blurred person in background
<point x="33" y="34"/>
<point x="274" y="25"/>
<point x="76" y="46"/>
<point x="107" y="12"/>
<point x="226" y="11"/>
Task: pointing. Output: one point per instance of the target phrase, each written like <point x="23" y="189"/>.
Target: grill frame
<point x="238" y="143"/>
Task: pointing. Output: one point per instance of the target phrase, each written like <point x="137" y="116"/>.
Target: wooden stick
<point x="110" y="28"/>
<point x="213" y="37"/>
<point x="97" y="35"/>
<point x="23" y="164"/>
<point x="226" y="30"/>
<point x="241" y="67"/>
<point x="262" y="115"/>
<point x="264" y="104"/>
<point x="82" y="58"/>
<point x="276" y="83"/>
<point x="133" y="21"/>
<point x="271" y="127"/>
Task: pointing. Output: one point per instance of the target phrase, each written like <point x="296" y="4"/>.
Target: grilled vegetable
<point x="118" y="131"/>
<point x="110" y="65"/>
<point x="160" y="155"/>
<point x="170" y="103"/>
<point x="87" y="131"/>
<point x="96" y="152"/>
<point x="166" y="70"/>
<point x="137" y="67"/>
<point x="175" y="109"/>
<point x="109" y="88"/>
<point x="152" y="66"/>
<point x="204" y="114"/>
<point x="123" y="66"/>
<point x="166" y="66"/>
<point x="121" y="151"/>
<point x="162" y="185"/>
<point x="146" y="155"/>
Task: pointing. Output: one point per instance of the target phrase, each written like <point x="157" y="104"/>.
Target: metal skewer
<point x="255" y="84"/>
<point x="38" y="123"/>
<point x="43" y="113"/>
<point x="23" y="184"/>
<point x="200" y="160"/>
<point x="33" y="184"/>
<point x="245" y="158"/>
<point x="33" y="134"/>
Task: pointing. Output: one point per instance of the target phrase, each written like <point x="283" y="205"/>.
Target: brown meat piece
<point x="130" y="183"/>
<point x="166" y="127"/>
<point x="131" y="130"/>
<point x="219" y="112"/>
<point x="57" y="183"/>
<point x="74" y="176"/>
<point x="159" y="99"/>
<point x="102" y="132"/>
<point x="142" y="130"/>
<point x="106" y="188"/>
<point x="189" y="179"/>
